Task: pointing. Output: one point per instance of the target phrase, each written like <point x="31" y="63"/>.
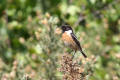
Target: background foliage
<point x="30" y="43"/>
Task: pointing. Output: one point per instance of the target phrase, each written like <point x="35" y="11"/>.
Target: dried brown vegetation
<point x="76" y="69"/>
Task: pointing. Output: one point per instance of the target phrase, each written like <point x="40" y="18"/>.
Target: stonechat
<point x="70" y="40"/>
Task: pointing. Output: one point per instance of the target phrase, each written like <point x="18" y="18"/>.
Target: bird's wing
<point x="78" y="44"/>
<point x="76" y="41"/>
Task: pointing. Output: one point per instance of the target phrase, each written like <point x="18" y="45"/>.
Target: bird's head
<point x="66" y="28"/>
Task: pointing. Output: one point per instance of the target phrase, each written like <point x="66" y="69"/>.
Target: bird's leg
<point x="73" y="54"/>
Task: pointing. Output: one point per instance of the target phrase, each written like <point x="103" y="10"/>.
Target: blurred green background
<point x="30" y="42"/>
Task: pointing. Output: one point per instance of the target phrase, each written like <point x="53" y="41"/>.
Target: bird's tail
<point x="83" y="54"/>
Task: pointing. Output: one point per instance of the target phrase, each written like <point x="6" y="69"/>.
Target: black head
<point x="66" y="28"/>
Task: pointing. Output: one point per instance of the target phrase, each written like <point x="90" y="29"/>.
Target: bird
<point x="70" y="40"/>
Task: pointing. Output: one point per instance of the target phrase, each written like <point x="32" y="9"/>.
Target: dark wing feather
<point x="78" y="44"/>
<point x="76" y="41"/>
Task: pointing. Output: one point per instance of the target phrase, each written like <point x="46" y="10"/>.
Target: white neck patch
<point x="69" y="32"/>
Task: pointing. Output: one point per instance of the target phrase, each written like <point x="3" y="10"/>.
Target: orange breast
<point x="68" y="41"/>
